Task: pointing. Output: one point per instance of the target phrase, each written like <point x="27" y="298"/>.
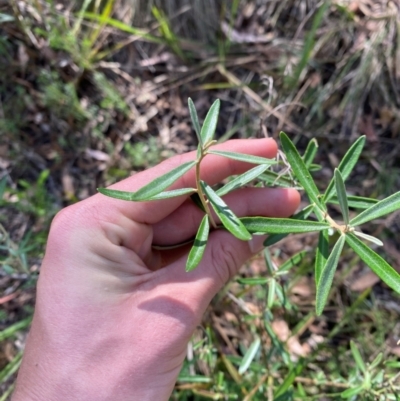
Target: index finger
<point x="213" y="169"/>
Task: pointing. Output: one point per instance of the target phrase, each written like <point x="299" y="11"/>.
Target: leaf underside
<point x="325" y="281"/>
<point x="379" y="266"/>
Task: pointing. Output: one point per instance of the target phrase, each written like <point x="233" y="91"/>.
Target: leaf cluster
<point x="314" y="218"/>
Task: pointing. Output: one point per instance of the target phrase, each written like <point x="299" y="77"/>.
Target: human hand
<point x="114" y="315"/>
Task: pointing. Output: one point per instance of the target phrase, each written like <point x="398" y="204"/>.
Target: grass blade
<point x="270" y="225"/>
<point x="199" y="245"/>
<point x="249" y="356"/>
<point x="243" y="157"/>
<point x="210" y="123"/>
<point x="355" y="202"/>
<point x="242" y="179"/>
<point x="351" y="392"/>
<point x="368" y="238"/>
<point x="301" y="171"/>
<point x="11" y="330"/>
<point x="346" y="165"/>
<point x="385" y="206"/>
<point x="357" y="357"/>
<point x="253" y="280"/>
<point x="274" y="179"/>
<point x="310" y="152"/>
<point x="342" y="197"/>
<point x="302" y="215"/>
<point x="293" y="261"/>
<point x="322" y="254"/>
<point x="227" y="217"/>
<point x="155" y="187"/>
<point x="326" y="279"/>
<point x="271" y="293"/>
<point x="195" y="120"/>
<point x="379" y="266"/>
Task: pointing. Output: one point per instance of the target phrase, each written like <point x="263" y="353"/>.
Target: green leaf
<point x="376" y="361"/>
<point x="243" y="157"/>
<point x="210" y="123"/>
<point x="368" y="238"/>
<point x="380" y="267"/>
<point x="326" y="279"/>
<point x="351" y="392"/>
<point x="199" y="245"/>
<point x="271" y="293"/>
<point x="227" y="217"/>
<point x="342" y="196"/>
<point x="272" y="178"/>
<point x="253" y="280"/>
<point x="381" y="208"/>
<point x="271" y="225"/>
<point x="195" y="120"/>
<point x="355" y="202"/>
<point x="301" y="171"/>
<point x="293" y="261"/>
<point x="197" y="201"/>
<point x="346" y="165"/>
<point x="302" y="215"/>
<point x="294" y="372"/>
<point x="249" y="356"/>
<point x="131" y="196"/>
<point x="154" y="187"/>
<point x="310" y="152"/>
<point x="194" y="379"/>
<point x="322" y="254"/>
<point x="357" y="356"/>
<point x="242" y="179"/>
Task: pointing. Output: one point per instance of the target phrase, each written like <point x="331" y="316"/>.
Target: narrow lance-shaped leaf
<point x="342" y="197"/>
<point x="199" y="245"/>
<point x="346" y="165"/>
<point x="302" y="215"/>
<point x="351" y="392"/>
<point x="325" y="282"/>
<point x="130" y="196"/>
<point x="310" y="152"/>
<point x="293" y="261"/>
<point x="250" y="355"/>
<point x="274" y="179"/>
<point x="270" y="225"/>
<point x="195" y="119"/>
<point x="253" y="280"/>
<point x="381" y="208"/>
<point x="227" y="217"/>
<point x="379" y="266"/>
<point x="301" y="171"/>
<point x="154" y="187"/>
<point x="357" y="357"/>
<point x="271" y="293"/>
<point x="356" y="202"/>
<point x="322" y="254"/>
<point x="368" y="238"/>
<point x="210" y="123"/>
<point x="243" y="157"/>
<point x="242" y="179"/>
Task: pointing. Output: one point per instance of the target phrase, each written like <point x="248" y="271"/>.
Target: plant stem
<point x="200" y="192"/>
